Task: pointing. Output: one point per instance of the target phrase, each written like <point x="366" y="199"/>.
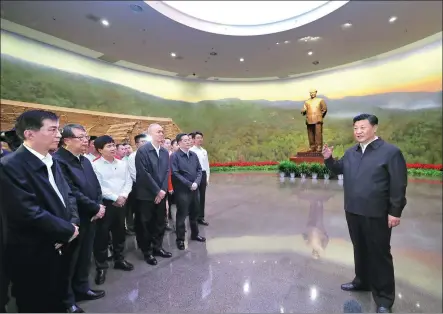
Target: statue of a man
<point x="315" y="110"/>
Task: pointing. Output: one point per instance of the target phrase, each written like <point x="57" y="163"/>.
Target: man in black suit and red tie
<point x="41" y="213"/>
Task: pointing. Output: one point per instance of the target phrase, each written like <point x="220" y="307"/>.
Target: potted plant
<point x="283" y="168"/>
<point x="325" y="172"/>
<point x="315" y="169"/>
<point x="293" y="170"/>
<point x="303" y="169"/>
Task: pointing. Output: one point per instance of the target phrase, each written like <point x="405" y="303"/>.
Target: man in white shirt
<point x="202" y="155"/>
<point x="92" y="152"/>
<point x="116" y="184"/>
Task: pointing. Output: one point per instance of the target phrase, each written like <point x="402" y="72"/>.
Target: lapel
<point x="37" y="166"/>
<point x="59" y="182"/>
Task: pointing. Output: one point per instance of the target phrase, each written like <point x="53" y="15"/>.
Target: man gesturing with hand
<point x="186" y="176"/>
<point x="151" y="184"/>
<point x="375" y="180"/>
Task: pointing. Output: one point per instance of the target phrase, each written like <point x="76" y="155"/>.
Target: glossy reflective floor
<point x="280" y="247"/>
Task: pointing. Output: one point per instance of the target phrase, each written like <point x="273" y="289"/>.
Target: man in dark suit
<point x="186" y="176"/>
<point x="375" y="180"/>
<point x="151" y="185"/>
<point x="41" y="213"/>
<point x="84" y="184"/>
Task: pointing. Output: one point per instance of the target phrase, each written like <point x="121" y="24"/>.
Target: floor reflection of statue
<point x="315" y="235"/>
<point x="315" y="110"/>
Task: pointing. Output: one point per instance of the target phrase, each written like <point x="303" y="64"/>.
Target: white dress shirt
<point x="90" y="156"/>
<point x="47" y="160"/>
<point x="363" y="146"/>
<point x="114" y="178"/>
<point x="202" y="155"/>
<point x="131" y="166"/>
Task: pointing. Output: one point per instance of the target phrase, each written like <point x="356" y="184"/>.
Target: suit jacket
<point x="83" y="182"/>
<point x="152" y="172"/>
<point x="36" y="216"/>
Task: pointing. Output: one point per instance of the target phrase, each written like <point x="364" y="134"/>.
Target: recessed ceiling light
<point x="287" y="41"/>
<point x="173" y="54"/>
<point x="105" y="22"/>
<point x="392" y="19"/>
<point x="310" y="53"/>
<point x="241" y="59"/>
<point x="347" y="25"/>
<point x="309" y="38"/>
<point x="277" y="43"/>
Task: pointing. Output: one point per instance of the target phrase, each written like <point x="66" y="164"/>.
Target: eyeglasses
<point x="83" y="137"/>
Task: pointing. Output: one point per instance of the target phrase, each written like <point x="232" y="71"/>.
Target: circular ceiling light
<point x="235" y="18"/>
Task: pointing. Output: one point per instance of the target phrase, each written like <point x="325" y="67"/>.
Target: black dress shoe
<point x="382" y="309"/>
<point x="100" y="277"/>
<point x="151" y="260"/>
<point x="123" y="265"/>
<point x="198" y="238"/>
<point x="90" y="295"/>
<point x="162" y="253"/>
<point x="74" y="309"/>
<point x="203" y="222"/>
<point x="353" y="287"/>
<point x="181" y="245"/>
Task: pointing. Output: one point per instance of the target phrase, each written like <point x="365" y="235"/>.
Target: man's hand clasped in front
<point x="120" y="202"/>
<point x="161" y="195"/>
<point x="100" y="213"/>
<point x="194" y="186"/>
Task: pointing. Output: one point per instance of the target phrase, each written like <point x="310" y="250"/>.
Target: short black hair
<point x="101" y="141"/>
<point x="179" y="137"/>
<point x="373" y="120"/>
<point x="92" y="138"/>
<point x="121" y="144"/>
<point x="191" y="134"/>
<point x="67" y="131"/>
<point x="32" y="120"/>
<point x="138" y="137"/>
<point x="10" y="137"/>
<point x="173" y="141"/>
<point x="194" y="134"/>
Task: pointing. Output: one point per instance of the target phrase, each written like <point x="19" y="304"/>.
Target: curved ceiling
<point x="134" y="35"/>
<point x="235" y="18"/>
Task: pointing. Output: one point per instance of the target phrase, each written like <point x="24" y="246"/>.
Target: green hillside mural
<point x="249" y="121"/>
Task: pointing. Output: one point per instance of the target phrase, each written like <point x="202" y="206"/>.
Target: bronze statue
<point x="315" y="110"/>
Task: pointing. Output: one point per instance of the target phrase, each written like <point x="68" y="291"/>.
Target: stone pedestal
<point x="309" y="157"/>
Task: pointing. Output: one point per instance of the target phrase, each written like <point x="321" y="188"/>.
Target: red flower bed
<point x="244" y="163"/>
<point x="273" y="163"/>
<point x="425" y="166"/>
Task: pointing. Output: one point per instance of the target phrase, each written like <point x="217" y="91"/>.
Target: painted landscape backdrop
<point x="410" y="114"/>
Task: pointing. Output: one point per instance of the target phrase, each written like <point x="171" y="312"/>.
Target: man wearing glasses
<point x="80" y="175"/>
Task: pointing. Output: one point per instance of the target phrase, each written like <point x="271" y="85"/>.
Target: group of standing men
<point x="59" y="209"/>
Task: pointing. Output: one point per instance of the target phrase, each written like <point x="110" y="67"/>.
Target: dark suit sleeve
<point x="72" y="207"/>
<point x="167" y="170"/>
<point x="199" y="171"/>
<point x="144" y="178"/>
<point x="83" y="201"/>
<point x="176" y="171"/>
<point x="398" y="181"/>
<point x="22" y="208"/>
<point x="335" y="165"/>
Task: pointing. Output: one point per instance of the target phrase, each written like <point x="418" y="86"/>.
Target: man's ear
<point x="375" y="128"/>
